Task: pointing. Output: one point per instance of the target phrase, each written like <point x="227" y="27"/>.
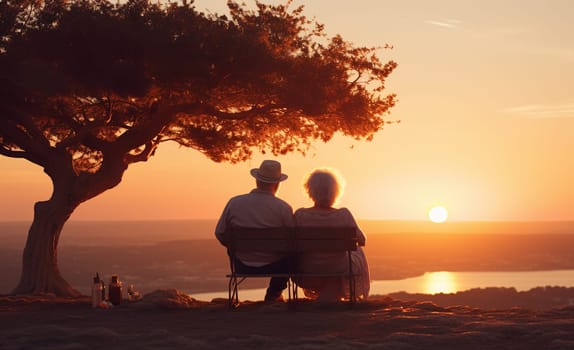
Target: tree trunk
<point x="40" y="272"/>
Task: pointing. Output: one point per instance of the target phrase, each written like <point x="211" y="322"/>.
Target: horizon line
<point x="358" y="219"/>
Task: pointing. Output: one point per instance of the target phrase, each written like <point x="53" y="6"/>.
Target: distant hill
<point x="465" y="227"/>
<point x="13" y="233"/>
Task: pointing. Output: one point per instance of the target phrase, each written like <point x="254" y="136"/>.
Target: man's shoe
<point x="274" y="299"/>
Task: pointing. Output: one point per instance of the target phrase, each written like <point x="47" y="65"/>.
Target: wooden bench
<point x="292" y="242"/>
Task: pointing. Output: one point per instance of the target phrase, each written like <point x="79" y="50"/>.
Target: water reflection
<point x="439" y="282"/>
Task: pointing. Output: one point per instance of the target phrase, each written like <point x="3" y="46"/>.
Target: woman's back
<point x="324" y="217"/>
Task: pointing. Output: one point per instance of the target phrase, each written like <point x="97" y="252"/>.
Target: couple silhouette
<point x="261" y="208"/>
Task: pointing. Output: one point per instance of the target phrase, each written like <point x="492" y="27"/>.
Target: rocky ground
<point x="167" y="319"/>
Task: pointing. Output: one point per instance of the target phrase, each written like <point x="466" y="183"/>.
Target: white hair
<point x="324" y="186"/>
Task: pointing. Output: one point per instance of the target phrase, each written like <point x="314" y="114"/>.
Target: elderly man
<point x="260" y="208"/>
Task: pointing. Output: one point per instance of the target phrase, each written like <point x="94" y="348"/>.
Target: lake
<point x="443" y="282"/>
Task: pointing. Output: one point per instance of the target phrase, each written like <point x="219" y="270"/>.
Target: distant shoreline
<point x="204" y="228"/>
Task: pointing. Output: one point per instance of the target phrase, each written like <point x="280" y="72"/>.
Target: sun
<point x="438" y="214"/>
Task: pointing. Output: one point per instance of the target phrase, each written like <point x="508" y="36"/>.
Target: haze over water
<point x="183" y="254"/>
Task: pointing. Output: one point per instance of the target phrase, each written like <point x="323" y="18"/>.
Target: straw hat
<point x="269" y="171"/>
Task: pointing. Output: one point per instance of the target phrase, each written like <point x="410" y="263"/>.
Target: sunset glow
<point x="475" y="131"/>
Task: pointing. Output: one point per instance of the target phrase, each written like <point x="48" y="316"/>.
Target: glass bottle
<point x="96" y="291"/>
<point x="115" y="290"/>
<point x="103" y="284"/>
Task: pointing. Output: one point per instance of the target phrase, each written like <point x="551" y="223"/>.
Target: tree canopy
<point x="88" y="87"/>
<point x="83" y="75"/>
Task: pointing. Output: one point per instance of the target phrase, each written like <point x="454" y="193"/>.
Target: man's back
<point x="259" y="209"/>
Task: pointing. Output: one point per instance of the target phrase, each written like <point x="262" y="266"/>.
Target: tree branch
<point x="145" y="154"/>
<point x="202" y="108"/>
<point x="144" y="133"/>
<point x="84" y="136"/>
<point x="32" y="129"/>
<point x="35" y="152"/>
<point x="13" y="154"/>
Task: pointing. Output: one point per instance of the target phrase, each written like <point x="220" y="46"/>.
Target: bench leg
<point x="295" y="289"/>
<point x="352" y="290"/>
<point x="292" y="304"/>
<point x="232" y="295"/>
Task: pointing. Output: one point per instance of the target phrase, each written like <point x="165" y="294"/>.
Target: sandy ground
<point x="168" y="320"/>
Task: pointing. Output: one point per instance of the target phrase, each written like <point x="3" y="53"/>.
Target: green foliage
<point x="99" y="79"/>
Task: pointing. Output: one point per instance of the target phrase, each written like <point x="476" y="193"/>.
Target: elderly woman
<point x="324" y="188"/>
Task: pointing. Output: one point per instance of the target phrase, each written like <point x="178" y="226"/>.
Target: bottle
<point x="131" y="292"/>
<point x="103" y="284"/>
<point x="96" y="291"/>
<point x="115" y="290"/>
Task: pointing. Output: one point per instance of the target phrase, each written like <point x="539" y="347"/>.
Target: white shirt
<point x="257" y="209"/>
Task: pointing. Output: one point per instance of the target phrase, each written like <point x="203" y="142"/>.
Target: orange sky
<point x="487" y="124"/>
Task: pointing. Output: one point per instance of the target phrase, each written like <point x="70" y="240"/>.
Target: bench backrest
<point x="273" y="240"/>
<point x="325" y="239"/>
<point x="292" y="240"/>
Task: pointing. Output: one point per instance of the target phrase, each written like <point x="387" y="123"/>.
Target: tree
<point x="88" y="87"/>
